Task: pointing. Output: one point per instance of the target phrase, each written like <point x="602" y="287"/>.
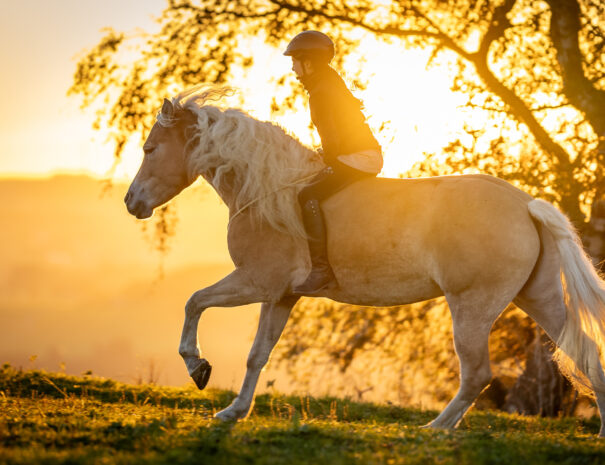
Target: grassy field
<point x="50" y="418"/>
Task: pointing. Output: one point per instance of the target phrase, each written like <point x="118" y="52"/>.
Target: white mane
<point x="268" y="164"/>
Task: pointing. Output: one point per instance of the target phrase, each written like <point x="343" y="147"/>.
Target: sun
<point x="411" y="108"/>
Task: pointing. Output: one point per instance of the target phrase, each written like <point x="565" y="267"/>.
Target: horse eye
<point x="148" y="150"/>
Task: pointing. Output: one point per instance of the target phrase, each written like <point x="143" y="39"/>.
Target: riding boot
<point x="321" y="274"/>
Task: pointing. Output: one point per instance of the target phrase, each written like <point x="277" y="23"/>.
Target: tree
<point x="532" y="73"/>
<point x="536" y="66"/>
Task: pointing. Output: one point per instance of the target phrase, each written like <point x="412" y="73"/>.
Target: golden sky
<point x="43" y="131"/>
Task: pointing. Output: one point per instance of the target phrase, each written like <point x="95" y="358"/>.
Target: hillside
<point x="80" y="285"/>
<point x="54" y="418"/>
<point x="77" y="221"/>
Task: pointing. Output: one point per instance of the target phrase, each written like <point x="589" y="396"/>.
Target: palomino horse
<point x="475" y="239"/>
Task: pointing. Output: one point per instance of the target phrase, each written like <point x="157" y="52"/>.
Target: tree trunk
<point x="565" y="27"/>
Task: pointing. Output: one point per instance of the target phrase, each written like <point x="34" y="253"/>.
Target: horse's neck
<point x="226" y="190"/>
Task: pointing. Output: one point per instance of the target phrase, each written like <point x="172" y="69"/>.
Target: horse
<point x="475" y="239"/>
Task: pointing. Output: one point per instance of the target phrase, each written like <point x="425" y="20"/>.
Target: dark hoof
<point x="201" y="374"/>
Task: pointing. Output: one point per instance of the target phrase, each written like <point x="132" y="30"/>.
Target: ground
<point x="53" y="418"/>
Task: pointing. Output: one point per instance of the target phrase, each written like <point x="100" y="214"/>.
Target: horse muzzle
<point x="136" y="207"/>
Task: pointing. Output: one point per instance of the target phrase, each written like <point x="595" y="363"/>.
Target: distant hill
<point x="76" y="220"/>
<point x="80" y="283"/>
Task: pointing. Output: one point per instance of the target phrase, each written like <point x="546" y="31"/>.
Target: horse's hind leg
<point x="549" y="313"/>
<point x="472" y="317"/>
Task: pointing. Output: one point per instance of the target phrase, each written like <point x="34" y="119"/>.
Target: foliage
<point x="54" y="418"/>
<point x="533" y="74"/>
<point x="530" y="63"/>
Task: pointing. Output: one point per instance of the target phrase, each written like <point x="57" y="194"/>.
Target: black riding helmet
<point x="314" y="45"/>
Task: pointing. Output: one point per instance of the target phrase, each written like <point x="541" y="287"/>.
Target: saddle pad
<point x="369" y="161"/>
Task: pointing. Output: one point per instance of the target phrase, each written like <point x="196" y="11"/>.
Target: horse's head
<point x="163" y="172"/>
<point x="245" y="160"/>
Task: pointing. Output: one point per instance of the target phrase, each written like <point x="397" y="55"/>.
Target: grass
<point x="51" y="418"/>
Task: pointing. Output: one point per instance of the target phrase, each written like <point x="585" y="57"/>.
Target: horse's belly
<point x="384" y="266"/>
<point x="384" y="292"/>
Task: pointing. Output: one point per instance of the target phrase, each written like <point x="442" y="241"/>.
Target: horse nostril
<point x="137" y="207"/>
<point x="133" y="208"/>
<point x="127" y="198"/>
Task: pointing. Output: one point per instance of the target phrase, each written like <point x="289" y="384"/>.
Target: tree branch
<point x="379" y="30"/>
<point x="499" y="24"/>
<point x="519" y="109"/>
<point x="443" y="38"/>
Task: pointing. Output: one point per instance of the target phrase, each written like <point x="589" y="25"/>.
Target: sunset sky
<point x="44" y="131"/>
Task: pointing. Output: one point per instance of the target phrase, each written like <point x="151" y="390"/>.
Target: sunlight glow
<point x="410" y="108"/>
<point x="416" y="106"/>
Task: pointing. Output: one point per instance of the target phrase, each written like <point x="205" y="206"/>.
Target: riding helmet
<point x="312" y="44"/>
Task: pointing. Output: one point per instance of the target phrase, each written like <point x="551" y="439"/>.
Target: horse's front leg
<point x="273" y="318"/>
<point x="231" y="291"/>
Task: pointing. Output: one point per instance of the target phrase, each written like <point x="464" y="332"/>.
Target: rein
<point x="253" y="201"/>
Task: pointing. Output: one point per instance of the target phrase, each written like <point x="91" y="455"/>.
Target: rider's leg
<point x="321" y="274"/>
<point x="325" y="184"/>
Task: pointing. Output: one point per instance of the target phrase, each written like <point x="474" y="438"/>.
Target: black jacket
<point x="337" y="115"/>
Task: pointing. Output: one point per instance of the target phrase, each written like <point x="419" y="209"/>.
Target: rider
<point x="349" y="149"/>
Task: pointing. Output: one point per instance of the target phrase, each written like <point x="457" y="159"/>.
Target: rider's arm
<point x="324" y="116"/>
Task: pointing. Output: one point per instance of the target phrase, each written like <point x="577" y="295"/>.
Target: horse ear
<point x="167" y="108"/>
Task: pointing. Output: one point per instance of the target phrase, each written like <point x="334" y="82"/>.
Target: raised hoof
<point x="201" y="374"/>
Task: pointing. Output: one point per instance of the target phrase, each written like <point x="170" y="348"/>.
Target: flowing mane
<point x="269" y="165"/>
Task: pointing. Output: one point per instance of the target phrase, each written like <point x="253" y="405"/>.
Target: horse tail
<point x="582" y="339"/>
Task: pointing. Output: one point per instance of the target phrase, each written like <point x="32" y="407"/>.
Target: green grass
<point x="50" y="418"/>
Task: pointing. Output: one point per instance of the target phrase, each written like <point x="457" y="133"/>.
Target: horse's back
<point x="438" y="233"/>
<point x="431" y="202"/>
